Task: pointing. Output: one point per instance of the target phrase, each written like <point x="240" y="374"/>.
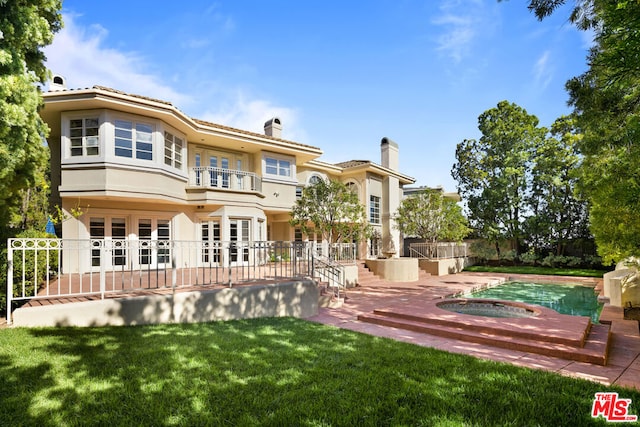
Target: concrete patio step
<point x="592" y="348"/>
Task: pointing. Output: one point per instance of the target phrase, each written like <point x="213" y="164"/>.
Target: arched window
<point x="314" y="179"/>
<point x="352" y="186"/>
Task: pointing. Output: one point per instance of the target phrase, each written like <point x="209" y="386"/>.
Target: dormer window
<point x="84" y="137"/>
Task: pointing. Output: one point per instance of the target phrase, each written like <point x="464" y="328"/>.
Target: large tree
<point x="25" y="28"/>
<point x="430" y="216"/>
<point x="556" y="216"/>
<point x="606" y="101"/>
<point x="331" y="208"/>
<point x="494" y="173"/>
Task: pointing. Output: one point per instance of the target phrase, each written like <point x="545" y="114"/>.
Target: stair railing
<point x="330" y="272"/>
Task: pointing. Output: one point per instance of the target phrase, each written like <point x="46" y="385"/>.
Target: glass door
<point x="210" y="253"/>
<point x="239" y="241"/>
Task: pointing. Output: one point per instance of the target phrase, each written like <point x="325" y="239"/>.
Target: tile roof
<point x="353" y="163"/>
<point x="201" y="122"/>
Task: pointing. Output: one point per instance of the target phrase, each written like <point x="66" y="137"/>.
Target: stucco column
<point x="390" y="204"/>
<point x="389" y="153"/>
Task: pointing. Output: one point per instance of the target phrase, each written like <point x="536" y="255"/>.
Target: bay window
<point x="84" y="137"/>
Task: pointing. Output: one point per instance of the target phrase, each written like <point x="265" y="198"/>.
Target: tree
<point x="606" y="101"/>
<point x="494" y="173"/>
<point x="430" y="216"/>
<point x="25" y="27"/>
<point x="557" y="216"/>
<point x="331" y="208"/>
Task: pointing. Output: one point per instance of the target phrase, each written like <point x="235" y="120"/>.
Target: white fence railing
<point x="211" y="177"/>
<point x="440" y="250"/>
<point x="56" y="268"/>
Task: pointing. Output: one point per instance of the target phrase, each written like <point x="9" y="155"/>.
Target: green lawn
<point x="278" y="372"/>
<point x="526" y="269"/>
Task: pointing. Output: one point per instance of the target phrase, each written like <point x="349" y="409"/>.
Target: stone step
<point x="594" y="350"/>
<point x="573" y="335"/>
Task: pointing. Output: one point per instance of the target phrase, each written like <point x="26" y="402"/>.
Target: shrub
<point x="509" y="256"/>
<point x="529" y="257"/>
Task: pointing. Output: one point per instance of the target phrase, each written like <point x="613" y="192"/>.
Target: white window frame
<point x="135" y="142"/>
<point x="173" y="151"/>
<point x="84" y="138"/>
<point x="65" y="137"/>
<point x="280" y="166"/>
<point x="374" y="209"/>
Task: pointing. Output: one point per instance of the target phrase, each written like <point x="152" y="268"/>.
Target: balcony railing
<point x="226" y="179"/>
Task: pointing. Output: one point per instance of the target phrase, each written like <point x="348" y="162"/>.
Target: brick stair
<point x="590" y="345"/>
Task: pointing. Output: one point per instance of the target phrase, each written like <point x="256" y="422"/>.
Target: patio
<point x="623" y="358"/>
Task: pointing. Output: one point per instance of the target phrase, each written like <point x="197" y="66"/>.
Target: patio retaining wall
<point x="295" y="299"/>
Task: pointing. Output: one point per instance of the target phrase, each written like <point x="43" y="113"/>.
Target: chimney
<point x="273" y="128"/>
<point x="389" y="154"/>
<point x="57" y="84"/>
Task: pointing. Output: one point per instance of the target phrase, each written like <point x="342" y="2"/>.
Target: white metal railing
<point x="210" y="177"/>
<point x="344" y="253"/>
<point x="330" y="272"/>
<point x="54" y="268"/>
<point x="440" y="250"/>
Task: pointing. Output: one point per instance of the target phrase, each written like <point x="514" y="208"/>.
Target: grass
<point x="276" y="372"/>
<point x="527" y="269"/>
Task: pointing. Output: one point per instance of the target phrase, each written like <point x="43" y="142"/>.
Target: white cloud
<point x="83" y="57"/>
<point x="460" y="29"/>
<point x="543" y="71"/>
<point x="80" y="55"/>
<point x="251" y="114"/>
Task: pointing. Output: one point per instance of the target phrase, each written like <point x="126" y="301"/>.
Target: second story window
<point x="134" y="140"/>
<point x="374" y="209"/>
<point x="84" y="137"/>
<point x="278" y="167"/>
<point x="173" y="150"/>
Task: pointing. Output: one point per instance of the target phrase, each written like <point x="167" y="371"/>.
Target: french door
<point x="239" y="241"/>
<point x="211" y="246"/>
<point x="153" y="239"/>
<point x="114" y="231"/>
<point x="152" y="248"/>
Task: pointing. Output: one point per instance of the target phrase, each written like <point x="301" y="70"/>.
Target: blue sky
<point x="340" y="74"/>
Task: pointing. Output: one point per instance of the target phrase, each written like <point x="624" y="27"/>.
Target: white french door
<point x="153" y="240"/>
<point x="211" y="247"/>
<point x="239" y="241"/>
<point x="113" y="231"/>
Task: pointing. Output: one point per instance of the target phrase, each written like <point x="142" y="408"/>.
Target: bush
<point x="529" y="258"/>
<point x="552" y="260"/>
<point x="510" y="256"/>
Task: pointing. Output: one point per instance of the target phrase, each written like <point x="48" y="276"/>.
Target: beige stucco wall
<point x="132" y="183"/>
<point x="395" y="269"/>
<point x="295" y="299"/>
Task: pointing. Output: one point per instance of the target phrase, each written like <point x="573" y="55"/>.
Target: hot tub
<point x="488" y="308"/>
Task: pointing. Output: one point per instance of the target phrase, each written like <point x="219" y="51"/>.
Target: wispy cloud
<point x="543" y="70"/>
<point x="80" y="55"/>
<point x="250" y="114"/>
<point x="461" y="21"/>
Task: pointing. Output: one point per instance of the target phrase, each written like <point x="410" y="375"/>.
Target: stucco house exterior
<point x="125" y="166"/>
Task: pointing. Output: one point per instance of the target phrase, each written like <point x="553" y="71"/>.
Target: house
<point x="130" y="167"/>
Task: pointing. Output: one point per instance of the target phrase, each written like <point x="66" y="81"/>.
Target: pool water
<point x="575" y="300"/>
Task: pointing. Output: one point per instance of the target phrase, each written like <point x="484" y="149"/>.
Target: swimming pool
<point x="576" y="300"/>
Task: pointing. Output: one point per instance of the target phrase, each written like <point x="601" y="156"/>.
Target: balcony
<point x="207" y="177"/>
